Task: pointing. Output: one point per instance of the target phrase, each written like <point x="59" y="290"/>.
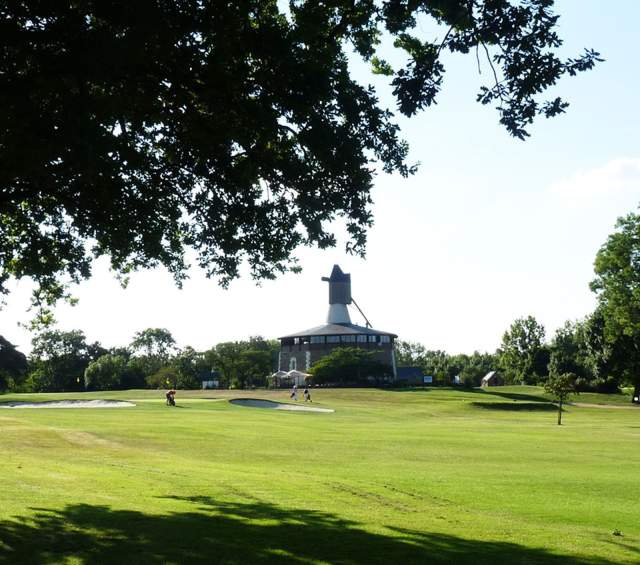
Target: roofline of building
<point x="337" y="329"/>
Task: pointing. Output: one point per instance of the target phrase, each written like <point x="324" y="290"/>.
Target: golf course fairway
<point x="402" y="476"/>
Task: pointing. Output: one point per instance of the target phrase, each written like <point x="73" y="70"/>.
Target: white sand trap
<point x="255" y="403"/>
<point x="69" y="404"/>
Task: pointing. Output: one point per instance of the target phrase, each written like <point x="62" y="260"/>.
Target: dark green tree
<point x="225" y="358"/>
<point x="617" y="285"/>
<point x="154" y="342"/>
<point x="165" y="377"/>
<point x="476" y="366"/>
<point x="409" y="353"/>
<point x="579" y="348"/>
<point x="189" y="366"/>
<point x="107" y="372"/>
<point x="436" y="364"/>
<point x="349" y="365"/>
<point x="13" y="365"/>
<point x="58" y="360"/>
<point x="522" y="355"/>
<point x="138" y="130"/>
<point x="244" y="363"/>
<point x="567" y="351"/>
<point x="152" y="350"/>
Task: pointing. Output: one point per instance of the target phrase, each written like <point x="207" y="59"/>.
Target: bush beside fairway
<point x="415" y="476"/>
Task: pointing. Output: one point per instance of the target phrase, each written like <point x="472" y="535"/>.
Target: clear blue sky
<point x="489" y="229"/>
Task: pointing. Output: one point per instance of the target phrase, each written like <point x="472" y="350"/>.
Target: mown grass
<point x="412" y="476"/>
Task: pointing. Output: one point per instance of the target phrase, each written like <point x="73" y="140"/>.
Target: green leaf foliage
<point x="58" y="360"/>
<point x="443" y="366"/>
<point x="189" y="366"/>
<point x="617" y="285"/>
<point x="243" y="364"/>
<point x="523" y="356"/>
<point x="106" y="373"/>
<point x="13" y="365"/>
<point x="560" y="386"/>
<point x="165" y="377"/>
<point x="152" y="349"/>
<point x="349" y="365"/>
<point x="141" y="130"/>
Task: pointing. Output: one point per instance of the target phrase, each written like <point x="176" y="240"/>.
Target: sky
<point x="490" y="228"/>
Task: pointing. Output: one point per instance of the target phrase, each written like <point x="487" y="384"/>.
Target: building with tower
<point x="300" y="350"/>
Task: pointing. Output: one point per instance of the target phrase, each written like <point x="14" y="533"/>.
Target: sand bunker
<point x="255" y="403"/>
<point x="69" y="404"/>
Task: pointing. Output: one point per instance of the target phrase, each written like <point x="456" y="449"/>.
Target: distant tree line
<point x="526" y="357"/>
<point x="442" y="366"/>
<point x="600" y="352"/>
<point x="65" y="361"/>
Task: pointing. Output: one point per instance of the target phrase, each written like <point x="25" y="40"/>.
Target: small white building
<point x="492" y="378"/>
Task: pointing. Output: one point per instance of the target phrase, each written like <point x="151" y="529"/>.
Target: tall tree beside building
<point x="409" y="353"/>
<point x="243" y="363"/>
<point x="349" y="365"/>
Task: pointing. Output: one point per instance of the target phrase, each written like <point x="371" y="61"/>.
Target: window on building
<point x="373" y="338"/>
<point x="296" y="340"/>
<point x="348" y="339"/>
<point x="317" y="339"/>
<point x="385" y="339"/>
<point x="293" y="364"/>
<point x="362" y="339"/>
<point x="333" y="339"/>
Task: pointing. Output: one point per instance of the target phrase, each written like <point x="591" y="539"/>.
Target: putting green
<point x="270" y="404"/>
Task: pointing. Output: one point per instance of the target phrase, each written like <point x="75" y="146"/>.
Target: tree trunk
<point x="560" y="412"/>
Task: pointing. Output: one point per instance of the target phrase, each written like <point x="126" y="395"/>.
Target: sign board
<point x="427" y="379"/>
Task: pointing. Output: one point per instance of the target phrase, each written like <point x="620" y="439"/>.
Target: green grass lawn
<point x="414" y="476"/>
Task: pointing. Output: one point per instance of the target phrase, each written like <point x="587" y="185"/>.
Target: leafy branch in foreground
<point x="141" y="130"/>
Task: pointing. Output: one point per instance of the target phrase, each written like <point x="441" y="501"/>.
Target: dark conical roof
<point x="338" y="329"/>
<point x="338" y="276"/>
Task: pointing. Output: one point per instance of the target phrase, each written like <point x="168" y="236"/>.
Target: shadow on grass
<point x="475" y="390"/>
<point x="255" y="532"/>
<point x="516" y="406"/>
<point x="510" y="395"/>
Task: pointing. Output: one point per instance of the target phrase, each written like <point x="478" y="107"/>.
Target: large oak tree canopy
<point x="140" y="129"/>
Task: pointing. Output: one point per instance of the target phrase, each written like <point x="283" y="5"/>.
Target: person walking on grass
<point x="170" y="397"/>
<point x="294" y="392"/>
<point x="307" y="394"/>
